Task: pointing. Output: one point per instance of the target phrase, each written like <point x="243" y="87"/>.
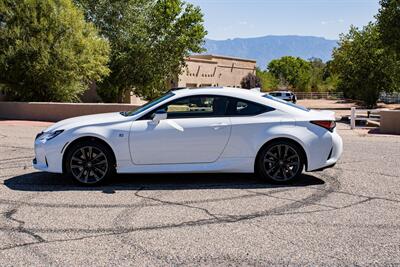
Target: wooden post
<point x="353" y="118"/>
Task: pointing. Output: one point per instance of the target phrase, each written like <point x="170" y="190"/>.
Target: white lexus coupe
<point x="193" y="131"/>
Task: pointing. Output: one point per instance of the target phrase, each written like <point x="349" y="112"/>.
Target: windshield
<point x="148" y="105"/>
<point x="285" y="102"/>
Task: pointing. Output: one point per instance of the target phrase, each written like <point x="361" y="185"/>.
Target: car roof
<point x="226" y="91"/>
<point x="246" y="94"/>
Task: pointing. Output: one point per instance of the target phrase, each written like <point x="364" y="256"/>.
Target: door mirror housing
<point x="159" y="115"/>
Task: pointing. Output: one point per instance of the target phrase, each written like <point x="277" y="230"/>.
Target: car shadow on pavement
<point x="42" y="181"/>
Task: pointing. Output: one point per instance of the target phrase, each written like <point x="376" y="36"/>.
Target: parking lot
<point x="347" y="215"/>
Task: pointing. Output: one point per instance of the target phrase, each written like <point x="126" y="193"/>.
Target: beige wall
<point x="390" y="121"/>
<point x="211" y="70"/>
<point x="55" y="111"/>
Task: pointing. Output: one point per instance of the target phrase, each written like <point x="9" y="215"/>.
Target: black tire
<point x="89" y="162"/>
<point x="280" y="162"/>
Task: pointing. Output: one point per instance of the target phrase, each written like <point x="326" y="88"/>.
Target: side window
<point x="195" y="107"/>
<point x="239" y="107"/>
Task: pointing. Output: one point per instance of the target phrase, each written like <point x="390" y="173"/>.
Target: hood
<point x="86" y="121"/>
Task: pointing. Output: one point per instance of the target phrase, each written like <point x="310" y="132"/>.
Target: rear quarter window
<point x="240" y="107"/>
<point x="286" y="103"/>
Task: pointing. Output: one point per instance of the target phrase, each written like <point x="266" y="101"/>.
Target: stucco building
<point x="214" y="70"/>
<point x="202" y="71"/>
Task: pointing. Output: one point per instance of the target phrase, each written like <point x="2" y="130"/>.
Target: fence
<point x="319" y="95"/>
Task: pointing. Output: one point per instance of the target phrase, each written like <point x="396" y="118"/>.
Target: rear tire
<point x="89" y="162"/>
<point x="280" y="162"/>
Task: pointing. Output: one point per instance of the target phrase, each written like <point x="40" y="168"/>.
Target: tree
<point x="316" y="74"/>
<point x="267" y="80"/>
<point x="388" y="20"/>
<point x="47" y="50"/>
<point x="364" y="66"/>
<point x="149" y="42"/>
<point x="294" y="71"/>
<point x="250" y="81"/>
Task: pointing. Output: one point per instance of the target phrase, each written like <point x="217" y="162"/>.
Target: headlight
<point x="48" y="135"/>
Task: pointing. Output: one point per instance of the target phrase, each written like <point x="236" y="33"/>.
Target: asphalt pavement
<point x="345" y="216"/>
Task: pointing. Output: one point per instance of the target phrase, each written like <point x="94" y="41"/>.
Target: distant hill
<point x="264" y="49"/>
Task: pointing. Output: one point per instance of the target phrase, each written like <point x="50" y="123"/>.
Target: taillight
<point x="329" y="125"/>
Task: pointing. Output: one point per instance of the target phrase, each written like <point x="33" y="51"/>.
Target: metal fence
<point x="319" y="95"/>
<point x="390" y="98"/>
<point x="387" y="98"/>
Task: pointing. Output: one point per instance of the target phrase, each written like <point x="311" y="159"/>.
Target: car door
<point x="196" y="131"/>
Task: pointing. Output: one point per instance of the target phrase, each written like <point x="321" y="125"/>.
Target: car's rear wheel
<point x="89" y="162"/>
<point x="281" y="162"/>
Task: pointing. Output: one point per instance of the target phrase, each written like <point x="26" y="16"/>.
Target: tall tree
<point x="149" y="42"/>
<point x="47" y="50"/>
<point x="389" y="23"/>
<point x="294" y="71"/>
<point x="364" y="66"/>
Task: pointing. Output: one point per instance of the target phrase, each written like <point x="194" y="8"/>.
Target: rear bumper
<point x="330" y="157"/>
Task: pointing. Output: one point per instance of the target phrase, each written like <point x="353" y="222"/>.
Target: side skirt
<point x="233" y="165"/>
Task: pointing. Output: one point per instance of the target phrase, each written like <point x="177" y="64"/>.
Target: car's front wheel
<point x="89" y="162"/>
<point x="281" y="162"/>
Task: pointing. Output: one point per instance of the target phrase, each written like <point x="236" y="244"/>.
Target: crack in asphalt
<point x="82" y="206"/>
<point x="332" y="186"/>
<point x="168" y="203"/>
<point x="9" y="215"/>
<point x="214" y="220"/>
<point x="121" y="220"/>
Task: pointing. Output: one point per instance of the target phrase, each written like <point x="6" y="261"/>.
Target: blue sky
<point x="249" y="18"/>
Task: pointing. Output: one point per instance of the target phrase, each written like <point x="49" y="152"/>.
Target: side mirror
<point x="159" y="115"/>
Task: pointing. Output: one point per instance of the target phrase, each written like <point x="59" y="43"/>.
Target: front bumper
<point x="48" y="156"/>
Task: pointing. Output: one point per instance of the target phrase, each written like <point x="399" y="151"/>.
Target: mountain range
<point x="266" y="48"/>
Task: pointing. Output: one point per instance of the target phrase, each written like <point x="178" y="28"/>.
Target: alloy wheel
<point x="281" y="162"/>
<point x="89" y="165"/>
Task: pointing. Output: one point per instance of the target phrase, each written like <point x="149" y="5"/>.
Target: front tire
<point x="89" y="162"/>
<point x="280" y="162"/>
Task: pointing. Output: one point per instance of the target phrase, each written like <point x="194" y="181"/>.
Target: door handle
<point x="216" y="126"/>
